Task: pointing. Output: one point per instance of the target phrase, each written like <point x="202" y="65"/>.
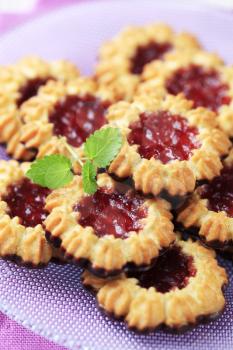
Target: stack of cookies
<point x="147" y="238"/>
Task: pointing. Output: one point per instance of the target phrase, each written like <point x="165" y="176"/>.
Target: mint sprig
<point x="55" y="171"/>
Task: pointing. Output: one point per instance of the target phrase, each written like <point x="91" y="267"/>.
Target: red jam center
<point x="30" y="89"/>
<point x="146" y="54"/>
<point x="77" y="117"/>
<point x="201" y="86"/>
<point x="111" y="213"/>
<point x="26" y="200"/>
<point x="219" y="192"/>
<point x="163" y="136"/>
<point x="171" y="270"/>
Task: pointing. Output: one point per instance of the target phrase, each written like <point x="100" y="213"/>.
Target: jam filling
<point x="30" y="89"/>
<point x="171" y="270"/>
<point x="146" y="54"/>
<point x="219" y="192"/>
<point x="201" y="86"/>
<point x="112" y="213"/>
<point x="163" y="136"/>
<point x="26" y="200"/>
<point x="77" y="117"/>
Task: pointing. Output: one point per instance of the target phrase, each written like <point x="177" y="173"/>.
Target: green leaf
<point x="37" y="171"/>
<point x="89" y="178"/>
<point x="52" y="171"/>
<point x="102" y="146"/>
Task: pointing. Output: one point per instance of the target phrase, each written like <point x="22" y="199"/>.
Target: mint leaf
<point x="52" y="171"/>
<point x="102" y="146"/>
<point x="55" y="171"/>
<point x="37" y="171"/>
<point x="89" y="178"/>
<point x="59" y="173"/>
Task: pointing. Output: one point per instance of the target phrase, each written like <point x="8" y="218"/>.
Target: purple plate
<point x="52" y="301"/>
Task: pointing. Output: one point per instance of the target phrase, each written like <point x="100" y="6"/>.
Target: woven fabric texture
<point x="53" y="302"/>
<point x="21" y="339"/>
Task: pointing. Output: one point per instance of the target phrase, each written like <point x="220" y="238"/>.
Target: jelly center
<point x="30" y="89"/>
<point x="171" y="270"/>
<point x="26" y="200"/>
<point x="146" y="54"/>
<point x="219" y="192"/>
<point x="77" y="117"/>
<point x="202" y="86"/>
<point x="163" y="136"/>
<point x="112" y="213"/>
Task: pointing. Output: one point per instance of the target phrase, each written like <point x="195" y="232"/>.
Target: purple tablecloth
<point x="12" y="335"/>
<point x="16" y="337"/>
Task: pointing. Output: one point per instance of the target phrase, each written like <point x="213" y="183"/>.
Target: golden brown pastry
<point x="210" y="209"/>
<point x="111" y="230"/>
<point x="201" y="77"/>
<point x="22" y="213"/>
<point x="18" y="83"/>
<point x="63" y="112"/>
<point x="123" y="59"/>
<point x="184" y="285"/>
<point x="167" y="145"/>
